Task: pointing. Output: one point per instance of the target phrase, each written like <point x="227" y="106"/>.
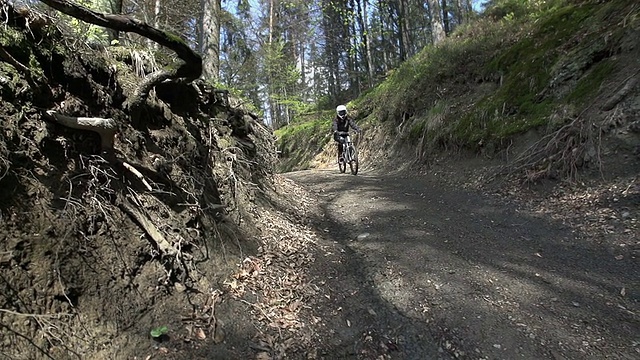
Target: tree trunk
<point x="116" y="9"/>
<point x="461" y="13"/>
<point x="211" y="39"/>
<point x="386" y="58"/>
<point x="404" y="19"/>
<point x="157" y="5"/>
<point x="445" y="17"/>
<point x="367" y="42"/>
<point x="272" y="4"/>
<point x="437" y="28"/>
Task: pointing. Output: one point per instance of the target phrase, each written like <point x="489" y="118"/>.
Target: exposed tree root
<point x="561" y="153"/>
<point x="189" y="69"/>
<point x="106" y="128"/>
<point x="149" y="227"/>
<point x="137" y="173"/>
<point x="6" y="57"/>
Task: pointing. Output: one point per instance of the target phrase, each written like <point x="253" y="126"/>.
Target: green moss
<point x="10" y="37"/>
<point x="589" y="84"/>
<point x="175" y="38"/>
<point x="417" y="129"/>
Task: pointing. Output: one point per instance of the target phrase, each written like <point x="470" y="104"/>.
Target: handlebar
<point x="345" y="133"/>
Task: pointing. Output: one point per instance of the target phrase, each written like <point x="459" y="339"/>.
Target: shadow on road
<point x="480" y="275"/>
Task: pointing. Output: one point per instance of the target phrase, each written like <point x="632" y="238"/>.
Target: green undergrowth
<point x="299" y="142"/>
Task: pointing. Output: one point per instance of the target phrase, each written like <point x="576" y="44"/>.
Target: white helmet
<point x="342" y="111"/>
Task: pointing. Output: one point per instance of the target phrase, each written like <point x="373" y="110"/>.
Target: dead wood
<point x="149" y="227"/>
<point x="4" y="55"/>
<point x="190" y="68"/>
<point x="137" y="173"/>
<point x="106" y="128"/>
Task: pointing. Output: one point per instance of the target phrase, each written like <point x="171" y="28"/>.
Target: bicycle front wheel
<point x="353" y="164"/>
<point x="342" y="165"/>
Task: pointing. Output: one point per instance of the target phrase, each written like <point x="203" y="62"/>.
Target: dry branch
<point x="149" y="228"/>
<point x="106" y="128"/>
<point x="137" y="173"/>
<point x="4" y="55"/>
<point x="190" y="69"/>
<point x="34" y="315"/>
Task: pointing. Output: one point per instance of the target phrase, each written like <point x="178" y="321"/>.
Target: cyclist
<point x="341" y="124"/>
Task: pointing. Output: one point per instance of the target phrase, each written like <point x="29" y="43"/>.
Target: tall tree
<point x="437" y="27"/>
<point x="404" y="20"/>
<point x="116" y="7"/>
<point x="210" y="30"/>
<point x="445" y="17"/>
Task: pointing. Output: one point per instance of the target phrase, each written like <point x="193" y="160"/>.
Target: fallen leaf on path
<point x="200" y="334"/>
<point x="263" y="356"/>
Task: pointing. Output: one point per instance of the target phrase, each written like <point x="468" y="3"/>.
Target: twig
<point x="137" y="173"/>
<point x="626" y="191"/>
<point x="149" y="228"/>
<point x="4" y="55"/>
<point x="257" y="307"/>
<point x="34" y="315"/>
<point x="29" y="340"/>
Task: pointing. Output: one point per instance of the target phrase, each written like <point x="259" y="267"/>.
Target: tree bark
<point x="190" y="68"/>
<point x="367" y="42"/>
<point x="404" y="19"/>
<point x="116" y="9"/>
<point x="437" y="27"/>
<point x="445" y="17"/>
<point x="211" y="39"/>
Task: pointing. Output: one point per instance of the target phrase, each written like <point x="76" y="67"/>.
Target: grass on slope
<point x="299" y="143"/>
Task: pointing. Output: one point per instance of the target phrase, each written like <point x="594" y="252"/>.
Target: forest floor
<point x="428" y="265"/>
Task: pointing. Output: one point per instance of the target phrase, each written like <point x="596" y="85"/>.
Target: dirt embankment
<point x="96" y="252"/>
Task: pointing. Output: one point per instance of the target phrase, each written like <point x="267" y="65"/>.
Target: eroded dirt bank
<point x="426" y="270"/>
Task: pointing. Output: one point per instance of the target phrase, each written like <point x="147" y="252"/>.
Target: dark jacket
<point x="343" y="124"/>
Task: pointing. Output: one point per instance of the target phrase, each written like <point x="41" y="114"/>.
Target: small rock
<point x="179" y="287"/>
<point x="363" y="236"/>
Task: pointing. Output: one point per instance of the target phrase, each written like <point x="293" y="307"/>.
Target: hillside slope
<point x="549" y="89"/>
<point x="122" y="255"/>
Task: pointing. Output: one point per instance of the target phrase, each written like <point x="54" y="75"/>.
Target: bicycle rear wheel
<point x="353" y="164"/>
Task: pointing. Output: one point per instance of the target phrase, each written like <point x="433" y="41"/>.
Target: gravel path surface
<point x="410" y="268"/>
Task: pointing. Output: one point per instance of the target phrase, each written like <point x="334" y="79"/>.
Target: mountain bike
<point x="349" y="155"/>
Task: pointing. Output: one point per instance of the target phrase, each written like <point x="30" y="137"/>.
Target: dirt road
<point x="414" y="269"/>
